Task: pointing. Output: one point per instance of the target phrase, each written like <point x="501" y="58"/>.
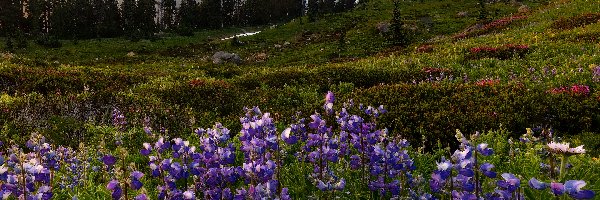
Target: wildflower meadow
<point x="340" y="152"/>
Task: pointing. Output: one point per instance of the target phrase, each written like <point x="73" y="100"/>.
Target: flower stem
<point x="563" y="165"/>
<point x="476" y="176"/>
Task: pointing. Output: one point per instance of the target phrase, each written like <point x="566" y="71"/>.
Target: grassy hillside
<point x="518" y="69"/>
<point x="288" y="67"/>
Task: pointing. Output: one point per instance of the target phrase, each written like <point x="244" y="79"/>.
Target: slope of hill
<point x="516" y="70"/>
<point x="534" y="66"/>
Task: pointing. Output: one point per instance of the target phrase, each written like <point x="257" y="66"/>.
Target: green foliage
<point x="440" y="108"/>
<point x="48" y="42"/>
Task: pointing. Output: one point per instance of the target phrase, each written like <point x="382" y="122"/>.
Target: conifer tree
<point x="399" y="35"/>
<point x="11" y="17"/>
<point x="312" y="10"/>
<point x="129" y="8"/>
<point x="482" y="11"/>
<point x="187" y="14"/>
<point x="228" y="11"/>
<point x="169" y="11"/>
<point x="111" y="26"/>
<point x="211" y="14"/>
<point x="145" y="18"/>
<point x="84" y="22"/>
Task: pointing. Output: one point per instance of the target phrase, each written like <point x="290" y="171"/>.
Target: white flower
<point x="443" y="166"/>
<point x="286" y="133"/>
<point x="577" y="150"/>
<point x="563" y="148"/>
<point x="558" y="147"/>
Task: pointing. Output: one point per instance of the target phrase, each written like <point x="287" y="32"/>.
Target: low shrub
<point x="493" y="26"/>
<point x="504" y="52"/>
<point x="436" y="109"/>
<point x="575" y="21"/>
<point x="425" y="49"/>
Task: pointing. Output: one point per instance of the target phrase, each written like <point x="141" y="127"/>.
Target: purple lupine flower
<point x="486" y="169"/>
<point x="510" y="182"/>
<point x="135" y="177"/>
<point x="465" y="168"/>
<point x="115" y="187"/>
<point x="146" y="150"/>
<point x="118" y="118"/>
<point x="444" y="168"/>
<point x="161" y="145"/>
<point x="285" y="194"/>
<point x="573" y="189"/>
<point x="463" y="195"/>
<point x="329" y="100"/>
<point x="484" y="150"/>
<point x="44" y="193"/>
<point x="464" y="154"/>
<point x="596" y="73"/>
<point x="141" y="197"/>
<point x="557" y="188"/>
<point x="436" y="182"/>
<point x="109" y="160"/>
<point x="329" y="97"/>
<point x="536" y="184"/>
<point x="287" y="138"/>
<point x="147" y="128"/>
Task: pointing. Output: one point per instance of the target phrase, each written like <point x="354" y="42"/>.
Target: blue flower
<point x="109" y="160"/>
<point x="484" y="150"/>
<point x="486" y="169"/>
<point x="536" y="184"/>
<point x="557" y="188"/>
<point x="141" y="197"/>
<point x="115" y="187"/>
<point x="287" y="138"/>
<point x="436" y="182"/>
<point x="510" y="182"/>
<point x="135" y="176"/>
<point x="146" y="150"/>
<point x="463" y="195"/>
<point x="573" y="189"/>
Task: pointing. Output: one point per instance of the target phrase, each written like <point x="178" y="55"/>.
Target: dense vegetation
<point x="497" y="68"/>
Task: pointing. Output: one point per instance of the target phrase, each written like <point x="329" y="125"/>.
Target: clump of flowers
<point x="574" y="90"/>
<point x="468" y="181"/>
<point x="214" y="167"/>
<point x="260" y="143"/>
<point x="489" y="27"/>
<point x="596" y="73"/>
<point x="487" y="82"/>
<point x="436" y="74"/>
<point x="573" y="188"/>
<point x="425" y="49"/>
<point x="503" y="52"/>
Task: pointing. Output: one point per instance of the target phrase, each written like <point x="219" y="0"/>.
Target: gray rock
<point x="383" y="27"/>
<point x="462" y="14"/>
<point x="221" y="57"/>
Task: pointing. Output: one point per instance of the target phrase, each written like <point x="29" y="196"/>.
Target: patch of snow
<point x="241" y="35"/>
